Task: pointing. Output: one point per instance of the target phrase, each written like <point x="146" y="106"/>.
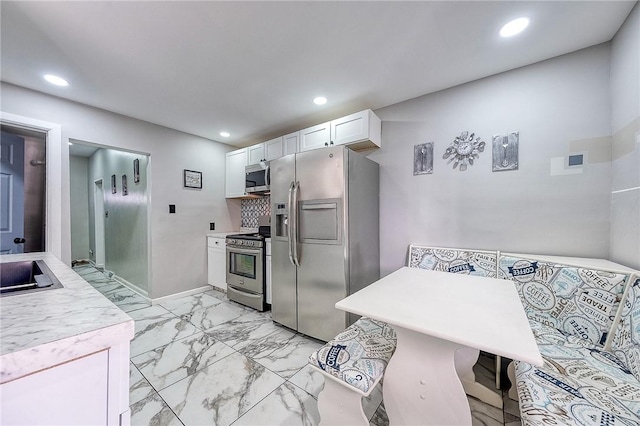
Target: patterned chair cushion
<point x="626" y="340"/>
<point x="481" y="263"/>
<point x="577" y="301"/>
<point x="359" y="355"/>
<point x="582" y="386"/>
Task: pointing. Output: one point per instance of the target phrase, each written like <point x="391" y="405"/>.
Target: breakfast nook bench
<point x="352" y="363"/>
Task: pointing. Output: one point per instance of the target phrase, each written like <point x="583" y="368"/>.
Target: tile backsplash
<point x="253" y="208"/>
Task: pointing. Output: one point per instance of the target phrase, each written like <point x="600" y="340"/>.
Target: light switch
<point x="172" y="208"/>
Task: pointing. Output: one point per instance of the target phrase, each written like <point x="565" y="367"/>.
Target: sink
<point x="27" y="276"/>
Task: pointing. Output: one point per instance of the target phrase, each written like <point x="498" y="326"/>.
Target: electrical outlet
<point x="212" y="226"/>
<point x="172" y="208"/>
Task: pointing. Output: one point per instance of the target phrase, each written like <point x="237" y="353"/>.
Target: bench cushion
<point x="578" y="301"/>
<point x="470" y="262"/>
<point x="626" y="340"/>
<point x="359" y="355"/>
<point x="577" y="385"/>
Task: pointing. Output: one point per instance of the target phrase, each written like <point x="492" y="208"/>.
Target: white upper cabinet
<point x="265" y="151"/>
<point x="315" y="137"/>
<point x="235" y="174"/>
<point x="360" y="130"/>
<point x="255" y="154"/>
<point x="273" y="149"/>
<point x="291" y="143"/>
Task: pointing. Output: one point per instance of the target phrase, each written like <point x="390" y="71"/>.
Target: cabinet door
<point x="315" y="137"/>
<point x="290" y="143"/>
<point x="235" y="174"/>
<point x="255" y="154"/>
<point x="352" y="128"/>
<point x="217" y="267"/>
<point x="273" y="149"/>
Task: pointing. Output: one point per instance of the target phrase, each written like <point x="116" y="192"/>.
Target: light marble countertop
<point x="223" y="234"/>
<point x="43" y="329"/>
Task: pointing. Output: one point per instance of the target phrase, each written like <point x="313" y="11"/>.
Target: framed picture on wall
<point x="125" y="190"/>
<point x="192" y="179"/>
<point x="136" y="170"/>
<point x="113" y="184"/>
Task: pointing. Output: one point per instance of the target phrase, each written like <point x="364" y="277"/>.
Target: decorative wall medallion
<point x="505" y="152"/>
<point x="423" y="158"/>
<point x="463" y="150"/>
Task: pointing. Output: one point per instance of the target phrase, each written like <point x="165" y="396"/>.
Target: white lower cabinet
<point x="217" y="262"/>
<point x="91" y="390"/>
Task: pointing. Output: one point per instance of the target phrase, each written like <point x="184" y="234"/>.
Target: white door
<point x="11" y="194"/>
<point x="98" y="204"/>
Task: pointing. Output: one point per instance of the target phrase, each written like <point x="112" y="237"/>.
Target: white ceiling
<point x="253" y="68"/>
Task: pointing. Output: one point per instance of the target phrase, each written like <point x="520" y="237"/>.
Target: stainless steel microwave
<point x="257" y="178"/>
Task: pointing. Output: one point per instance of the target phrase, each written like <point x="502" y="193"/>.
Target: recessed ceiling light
<point x="54" y="79"/>
<point x="320" y="100"/>
<point x="514" y="27"/>
<point x="225" y="134"/>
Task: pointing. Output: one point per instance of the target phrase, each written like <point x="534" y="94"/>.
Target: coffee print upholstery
<point x="626" y="340"/>
<point x="459" y="261"/>
<point x="577" y="385"/>
<point x="577" y="301"/>
<point x="359" y="355"/>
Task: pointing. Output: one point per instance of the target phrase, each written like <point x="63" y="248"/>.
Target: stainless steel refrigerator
<point x="324" y="236"/>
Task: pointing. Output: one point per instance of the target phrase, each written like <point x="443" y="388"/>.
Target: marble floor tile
<point x="139" y="387"/>
<point x="308" y="379"/>
<point x="287" y="405"/>
<point x="484" y="414"/>
<point x="250" y="329"/>
<point x="221" y="392"/>
<point x="212" y="316"/>
<point x="155" y="327"/>
<point x="187" y="305"/>
<point x="153" y="411"/>
<point x="168" y="364"/>
<point x="127" y="300"/>
<point x="107" y="286"/>
<point x="371" y="403"/>
<point x="285" y="358"/>
<point x="380" y="417"/>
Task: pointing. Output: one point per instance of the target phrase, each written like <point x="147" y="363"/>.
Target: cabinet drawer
<point x="216" y="242"/>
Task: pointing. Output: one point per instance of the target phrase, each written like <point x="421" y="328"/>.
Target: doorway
<point x="22" y="190"/>
<point x="98" y="220"/>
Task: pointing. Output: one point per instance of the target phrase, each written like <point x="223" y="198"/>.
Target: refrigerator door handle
<point x="294" y="244"/>
<point x="291" y="223"/>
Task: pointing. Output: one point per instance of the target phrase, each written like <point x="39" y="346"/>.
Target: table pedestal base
<point x="465" y="359"/>
<point x="421" y="386"/>
<point x="339" y="405"/>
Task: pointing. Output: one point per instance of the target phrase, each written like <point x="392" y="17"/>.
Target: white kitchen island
<point x="435" y="314"/>
<point x="64" y="353"/>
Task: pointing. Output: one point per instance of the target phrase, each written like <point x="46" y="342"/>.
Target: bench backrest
<point x="626" y="340"/>
<point x="460" y="261"/>
<point x="577" y="301"/>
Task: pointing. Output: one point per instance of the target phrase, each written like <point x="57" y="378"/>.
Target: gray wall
<point x="625" y="123"/>
<point x="178" y="245"/>
<point x="125" y="228"/>
<point x="79" y="199"/>
<point x="559" y="106"/>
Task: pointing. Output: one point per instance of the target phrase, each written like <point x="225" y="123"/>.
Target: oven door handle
<point x="244" y="251"/>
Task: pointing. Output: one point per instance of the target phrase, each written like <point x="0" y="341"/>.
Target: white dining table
<point x="435" y="314"/>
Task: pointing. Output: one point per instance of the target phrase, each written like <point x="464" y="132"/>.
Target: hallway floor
<point x="202" y="360"/>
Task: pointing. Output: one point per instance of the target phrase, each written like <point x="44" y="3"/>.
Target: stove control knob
<point x="231" y="241"/>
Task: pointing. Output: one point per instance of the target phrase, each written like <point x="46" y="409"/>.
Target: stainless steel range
<point x="246" y="268"/>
